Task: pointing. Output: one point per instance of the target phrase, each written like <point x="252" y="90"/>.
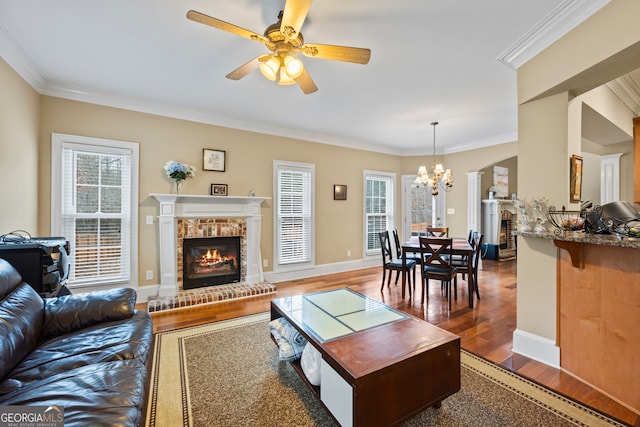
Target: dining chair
<point x="476" y="261"/>
<point x="416" y="257"/>
<point x="436" y="264"/>
<point x="462" y="260"/>
<point x="437" y="231"/>
<point x="462" y="263"/>
<point x="389" y="264"/>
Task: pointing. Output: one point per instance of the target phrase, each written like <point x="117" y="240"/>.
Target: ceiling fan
<point x="285" y="41"/>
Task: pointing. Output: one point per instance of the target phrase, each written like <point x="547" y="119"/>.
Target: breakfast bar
<point x="598" y="288"/>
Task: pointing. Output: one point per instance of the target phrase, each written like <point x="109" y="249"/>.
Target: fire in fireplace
<point x="210" y="261"/>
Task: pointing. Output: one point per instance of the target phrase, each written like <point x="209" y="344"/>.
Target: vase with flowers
<point x="179" y="172"/>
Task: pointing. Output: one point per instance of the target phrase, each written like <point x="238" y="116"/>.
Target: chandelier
<point x="439" y="179"/>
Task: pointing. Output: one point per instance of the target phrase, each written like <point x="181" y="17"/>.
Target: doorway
<point x="420" y="208"/>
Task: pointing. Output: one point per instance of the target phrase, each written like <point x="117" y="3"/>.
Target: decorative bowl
<point x="565" y="220"/>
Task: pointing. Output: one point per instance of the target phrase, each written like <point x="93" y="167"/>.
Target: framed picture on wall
<point x="575" y="179"/>
<point x="339" y="192"/>
<point x="219" y="189"/>
<point x="213" y="160"/>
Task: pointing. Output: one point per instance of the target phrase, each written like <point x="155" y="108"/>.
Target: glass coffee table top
<point x="333" y="314"/>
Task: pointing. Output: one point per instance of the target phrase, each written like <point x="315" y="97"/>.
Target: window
<point x="378" y="207"/>
<point x="294" y="183"/>
<point x="94" y="205"/>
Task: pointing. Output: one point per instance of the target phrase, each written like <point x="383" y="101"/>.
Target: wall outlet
<point x="265" y="263"/>
<point x="348" y="253"/>
<point x="451" y="211"/>
<point x="149" y="219"/>
<point x="149" y="274"/>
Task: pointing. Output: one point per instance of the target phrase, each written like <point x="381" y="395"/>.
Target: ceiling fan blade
<point x="306" y="83"/>
<point x="245" y="69"/>
<point x="225" y="26"/>
<point x="294" y="14"/>
<point x="357" y="55"/>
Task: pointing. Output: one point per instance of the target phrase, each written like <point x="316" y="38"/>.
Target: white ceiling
<point x="431" y="60"/>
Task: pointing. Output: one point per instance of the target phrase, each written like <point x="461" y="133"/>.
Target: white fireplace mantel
<point x="173" y="206"/>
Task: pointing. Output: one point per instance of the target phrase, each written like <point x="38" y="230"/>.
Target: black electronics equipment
<point x="43" y="262"/>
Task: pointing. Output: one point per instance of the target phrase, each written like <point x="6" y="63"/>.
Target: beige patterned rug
<point x="228" y="374"/>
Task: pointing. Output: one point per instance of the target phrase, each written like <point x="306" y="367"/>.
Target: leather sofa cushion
<point x="105" y="342"/>
<point x="9" y="278"/>
<point x="72" y="312"/>
<point x="20" y="325"/>
<point x="103" y="394"/>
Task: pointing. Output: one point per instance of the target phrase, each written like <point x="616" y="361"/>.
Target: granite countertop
<point x="581" y="237"/>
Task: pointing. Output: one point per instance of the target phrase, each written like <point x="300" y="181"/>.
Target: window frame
<point x="389" y="204"/>
<point x="105" y="146"/>
<point x="279" y="165"/>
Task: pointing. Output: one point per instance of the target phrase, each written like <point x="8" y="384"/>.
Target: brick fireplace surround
<point x="189" y="216"/>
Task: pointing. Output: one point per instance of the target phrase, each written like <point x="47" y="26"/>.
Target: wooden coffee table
<point x="379" y="366"/>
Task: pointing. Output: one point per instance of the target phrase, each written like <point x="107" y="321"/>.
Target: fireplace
<point x="211" y="261"/>
<point x="197" y="216"/>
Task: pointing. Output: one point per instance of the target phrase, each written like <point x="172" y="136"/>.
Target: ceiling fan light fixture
<point x="293" y="66"/>
<point x="285" y="78"/>
<point x="270" y="68"/>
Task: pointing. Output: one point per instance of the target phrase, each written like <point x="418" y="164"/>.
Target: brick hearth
<point x="210" y="294"/>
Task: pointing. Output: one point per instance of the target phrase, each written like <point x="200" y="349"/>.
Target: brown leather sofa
<point x="87" y="353"/>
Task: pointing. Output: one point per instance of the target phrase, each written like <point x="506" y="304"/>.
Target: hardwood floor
<point x="485" y="330"/>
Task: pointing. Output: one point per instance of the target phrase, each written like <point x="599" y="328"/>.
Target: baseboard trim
<point x="145" y="292"/>
<point x="536" y="347"/>
<point x="320" y="270"/>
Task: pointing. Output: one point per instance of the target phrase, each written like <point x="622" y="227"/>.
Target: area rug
<point x="228" y="374"/>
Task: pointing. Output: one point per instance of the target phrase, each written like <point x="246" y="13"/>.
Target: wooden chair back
<point x="437" y="231"/>
<point x="385" y="247"/>
<point x="436" y="258"/>
<point x="397" y="242"/>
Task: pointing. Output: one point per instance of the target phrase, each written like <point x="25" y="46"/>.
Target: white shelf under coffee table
<point x="379" y="366"/>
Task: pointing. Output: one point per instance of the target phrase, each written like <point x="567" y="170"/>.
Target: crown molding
<point x="628" y="90"/>
<point x="20" y="61"/>
<point x="564" y="18"/>
<point x="116" y="100"/>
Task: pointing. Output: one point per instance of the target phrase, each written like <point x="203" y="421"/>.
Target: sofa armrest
<point x="72" y="312"/>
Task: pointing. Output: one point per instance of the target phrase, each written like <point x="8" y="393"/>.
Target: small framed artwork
<point x="213" y="160"/>
<point x="339" y="192"/>
<point x="219" y="189"/>
<point x="575" y="179"/>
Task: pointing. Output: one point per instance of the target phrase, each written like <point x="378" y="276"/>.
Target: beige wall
<point x="487" y="176"/>
<point x="19" y="161"/>
<point x="339" y="224"/>
<point x="31" y="119"/>
<point x="460" y="164"/>
<point x="602" y="48"/>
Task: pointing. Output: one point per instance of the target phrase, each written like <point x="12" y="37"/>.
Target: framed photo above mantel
<point x="213" y="160"/>
<point x="575" y="179"/>
<point x="219" y="189"/>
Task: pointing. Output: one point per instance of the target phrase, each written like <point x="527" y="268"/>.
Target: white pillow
<point x="310" y="363"/>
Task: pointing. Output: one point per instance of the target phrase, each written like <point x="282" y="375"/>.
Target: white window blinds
<point x="378" y="201"/>
<point x="294" y="214"/>
<point x="95" y="212"/>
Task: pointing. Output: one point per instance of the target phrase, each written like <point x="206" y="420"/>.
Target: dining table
<point x="459" y="246"/>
